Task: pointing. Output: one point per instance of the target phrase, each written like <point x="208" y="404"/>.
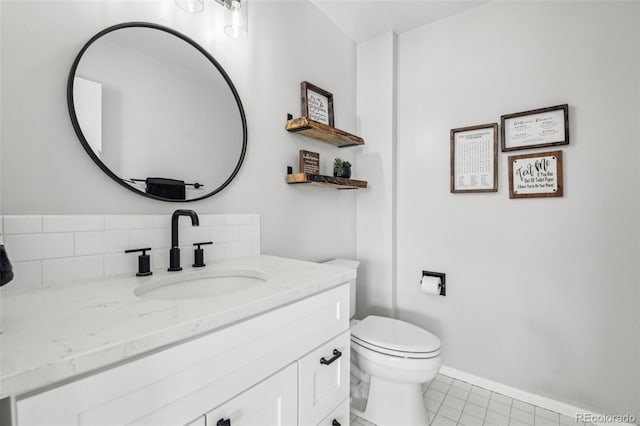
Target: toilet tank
<point x="348" y="265"/>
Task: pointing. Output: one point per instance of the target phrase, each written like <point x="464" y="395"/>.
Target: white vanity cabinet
<point x="265" y="370"/>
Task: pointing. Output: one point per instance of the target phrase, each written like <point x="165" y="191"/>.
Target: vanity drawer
<point x="271" y="402"/>
<point x="338" y="417"/>
<point x="323" y="377"/>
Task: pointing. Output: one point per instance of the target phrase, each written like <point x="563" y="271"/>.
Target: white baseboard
<point x="515" y="393"/>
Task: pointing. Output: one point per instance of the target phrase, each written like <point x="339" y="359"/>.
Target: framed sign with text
<point x="474" y="158"/>
<point x="317" y="104"/>
<point x="536" y="128"/>
<point x="309" y="162"/>
<point x="536" y="175"/>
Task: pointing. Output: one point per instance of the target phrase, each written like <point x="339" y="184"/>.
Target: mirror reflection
<point x="157" y="113"/>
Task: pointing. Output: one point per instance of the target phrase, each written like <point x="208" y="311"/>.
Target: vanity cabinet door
<point x="323" y="376"/>
<point x="273" y="402"/>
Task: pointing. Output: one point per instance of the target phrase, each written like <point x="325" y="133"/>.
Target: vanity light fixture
<point x="236" y="20"/>
<point x="191" y="6"/>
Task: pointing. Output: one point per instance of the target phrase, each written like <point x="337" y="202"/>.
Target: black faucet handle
<point x="203" y="244"/>
<point x="198" y="254"/>
<point x="144" y="261"/>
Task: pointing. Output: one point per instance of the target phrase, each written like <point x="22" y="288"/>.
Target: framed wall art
<point x="536" y="175"/>
<point x="309" y="162"/>
<point x="474" y="159"/>
<point x="536" y="128"/>
<point x="317" y="104"/>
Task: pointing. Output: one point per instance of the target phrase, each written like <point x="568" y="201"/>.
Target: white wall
<point x="1" y="120"/>
<point x="46" y="171"/>
<point x="542" y="293"/>
<point x="376" y="163"/>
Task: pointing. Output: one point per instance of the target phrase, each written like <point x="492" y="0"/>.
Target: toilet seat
<point x="393" y="353"/>
<point x="395" y="338"/>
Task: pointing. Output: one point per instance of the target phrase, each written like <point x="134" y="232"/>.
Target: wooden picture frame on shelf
<point x="309" y="162"/>
<point x="536" y="175"/>
<point x="474" y="159"/>
<point x="317" y="103"/>
<point x="536" y="128"/>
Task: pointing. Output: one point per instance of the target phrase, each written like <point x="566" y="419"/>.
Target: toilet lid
<point x="394" y="334"/>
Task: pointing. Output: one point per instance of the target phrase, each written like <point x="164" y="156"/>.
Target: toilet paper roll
<point x="430" y="285"/>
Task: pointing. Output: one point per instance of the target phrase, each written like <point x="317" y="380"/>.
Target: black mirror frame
<point x="85" y="143"/>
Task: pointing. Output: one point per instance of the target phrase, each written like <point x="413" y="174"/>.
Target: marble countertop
<point x="54" y="333"/>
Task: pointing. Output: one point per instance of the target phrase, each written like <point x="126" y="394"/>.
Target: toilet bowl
<point x="398" y="357"/>
<point x="394" y="359"/>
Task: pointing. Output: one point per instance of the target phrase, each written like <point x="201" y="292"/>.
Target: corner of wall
<point x="376" y="112"/>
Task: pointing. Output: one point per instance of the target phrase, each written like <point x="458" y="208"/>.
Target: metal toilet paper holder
<point x="443" y="280"/>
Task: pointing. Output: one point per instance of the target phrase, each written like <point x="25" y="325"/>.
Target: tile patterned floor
<point x="451" y="402"/>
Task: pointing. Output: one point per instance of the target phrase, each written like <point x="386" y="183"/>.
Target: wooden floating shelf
<point x="323" y="132"/>
<point x="328" y="181"/>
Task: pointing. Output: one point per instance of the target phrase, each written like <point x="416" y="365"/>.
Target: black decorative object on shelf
<point x="341" y="168"/>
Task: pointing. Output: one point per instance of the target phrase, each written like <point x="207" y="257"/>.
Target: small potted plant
<point x="341" y="168"/>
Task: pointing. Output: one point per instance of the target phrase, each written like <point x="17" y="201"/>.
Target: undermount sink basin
<point x="218" y="283"/>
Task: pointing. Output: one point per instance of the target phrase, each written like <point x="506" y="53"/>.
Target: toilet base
<point x="394" y="404"/>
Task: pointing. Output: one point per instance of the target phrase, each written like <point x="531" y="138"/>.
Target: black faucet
<point x="174" y="252"/>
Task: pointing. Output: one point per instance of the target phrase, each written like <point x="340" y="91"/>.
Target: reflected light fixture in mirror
<point x="236" y="19"/>
<point x="238" y="25"/>
<point x="191" y="6"/>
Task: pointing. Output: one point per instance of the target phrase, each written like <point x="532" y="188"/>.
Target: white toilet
<point x="398" y="358"/>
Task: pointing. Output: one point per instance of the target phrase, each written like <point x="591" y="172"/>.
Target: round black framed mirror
<point x="156" y="112"/>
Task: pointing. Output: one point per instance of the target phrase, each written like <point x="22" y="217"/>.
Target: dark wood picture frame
<point x="530" y="128"/>
<point x="476" y="132"/>
<point x="310" y="108"/>
<point x="536" y="174"/>
<point x="309" y="162"/>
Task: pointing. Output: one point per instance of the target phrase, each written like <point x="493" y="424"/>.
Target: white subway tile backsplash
<point x="239" y="249"/>
<point x="211" y="219"/>
<point x="195" y="234"/>
<point x="22" y="224"/>
<point x="160" y="258"/>
<point x="122" y="221"/>
<point x="39" y="246"/>
<point x="215" y="252"/>
<point x="116" y="241"/>
<point x="87" y="243"/>
<point x="249" y="232"/>
<point x="121" y="263"/>
<point x="27" y="274"/>
<point x="50" y="249"/>
<point x="72" y="269"/>
<point x="238" y="219"/>
<point x="224" y="234"/>
<point x="72" y="223"/>
<point x="154" y="238"/>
